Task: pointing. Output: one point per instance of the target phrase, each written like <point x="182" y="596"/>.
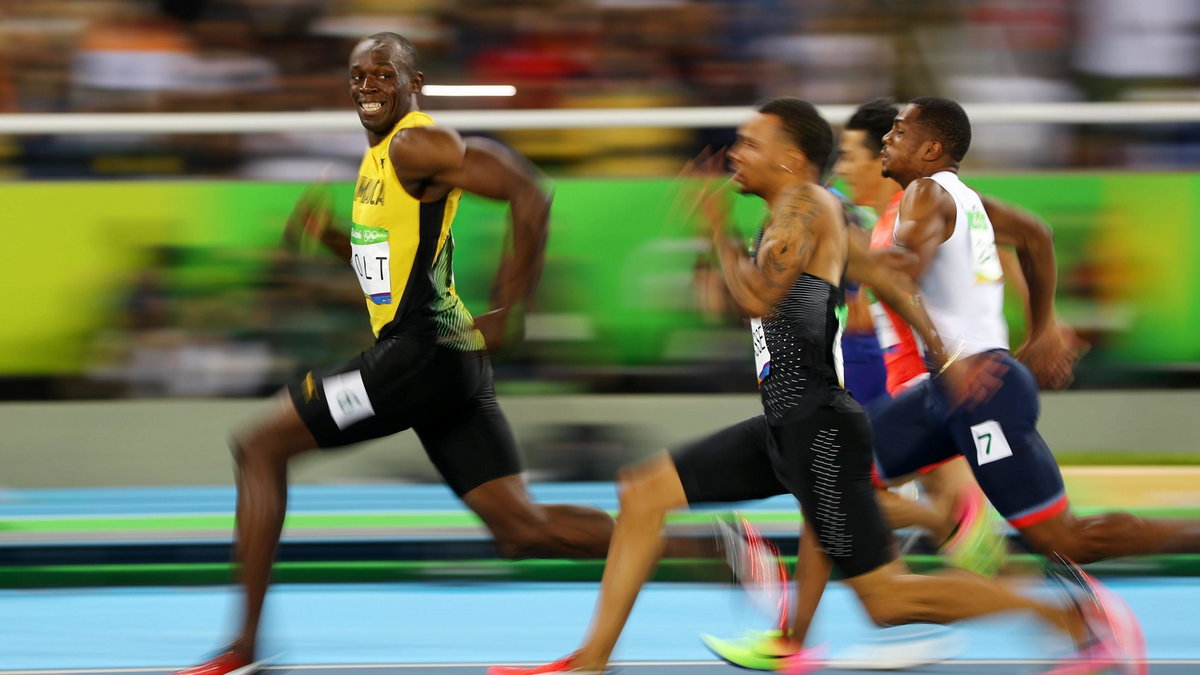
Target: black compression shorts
<point x="404" y="382"/>
<point x="823" y="459"/>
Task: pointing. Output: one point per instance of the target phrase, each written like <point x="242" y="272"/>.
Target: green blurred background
<point x="100" y="270"/>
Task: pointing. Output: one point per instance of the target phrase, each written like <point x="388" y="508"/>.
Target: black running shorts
<point x="823" y="459"/>
<point x="404" y="382"/>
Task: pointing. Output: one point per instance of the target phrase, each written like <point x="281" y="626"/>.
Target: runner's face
<point x="902" y="146"/>
<point x="858" y="167"/>
<point x="382" y="83"/>
<point x="755" y="156"/>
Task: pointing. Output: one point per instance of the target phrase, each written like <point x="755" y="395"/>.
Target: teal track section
<point x="405" y="504"/>
<point x="148" y="536"/>
<point x="480" y="622"/>
<point x="416" y="498"/>
<point x="486" y="615"/>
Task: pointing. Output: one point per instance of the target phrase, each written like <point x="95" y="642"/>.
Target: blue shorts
<point x="999" y="438"/>
<point x="865" y="371"/>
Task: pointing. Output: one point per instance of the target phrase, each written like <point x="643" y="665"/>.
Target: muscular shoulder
<point x="925" y="188"/>
<point x="926" y="193"/>
<point x="924" y="197"/>
<point x="423" y="151"/>
<point x="927" y="211"/>
<point x="808" y="204"/>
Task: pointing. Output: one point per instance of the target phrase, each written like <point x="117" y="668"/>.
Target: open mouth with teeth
<point x="371" y="106"/>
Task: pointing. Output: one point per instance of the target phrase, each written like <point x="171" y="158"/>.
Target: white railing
<point x="499" y="120"/>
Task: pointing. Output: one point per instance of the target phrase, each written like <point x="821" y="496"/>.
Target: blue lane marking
<point x="139" y="501"/>
<point x="472" y="621"/>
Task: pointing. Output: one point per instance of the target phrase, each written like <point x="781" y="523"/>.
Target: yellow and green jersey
<point x="402" y="251"/>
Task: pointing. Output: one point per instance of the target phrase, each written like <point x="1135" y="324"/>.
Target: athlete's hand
<point x="1051" y="355"/>
<point x="309" y="218"/>
<point x="973" y="380"/>
<point x="500" y="328"/>
<point x="703" y="192"/>
<point x="717" y="207"/>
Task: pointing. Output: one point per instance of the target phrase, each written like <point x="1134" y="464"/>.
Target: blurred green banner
<point x="618" y="286"/>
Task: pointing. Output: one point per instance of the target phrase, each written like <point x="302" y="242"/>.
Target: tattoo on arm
<point x="783" y="254"/>
<point x="790" y="246"/>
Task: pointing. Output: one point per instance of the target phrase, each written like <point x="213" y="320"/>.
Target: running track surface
<point x="458" y="628"/>
<point x="638" y="668"/>
<point x="190" y="500"/>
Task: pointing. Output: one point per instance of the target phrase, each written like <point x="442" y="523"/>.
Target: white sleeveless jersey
<point x="963" y="287"/>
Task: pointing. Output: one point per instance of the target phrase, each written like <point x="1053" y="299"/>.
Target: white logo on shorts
<point x="347" y="398"/>
<point x="990" y="443"/>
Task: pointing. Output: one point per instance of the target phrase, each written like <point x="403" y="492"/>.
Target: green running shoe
<point x="978" y="544"/>
<point x="755" y="651"/>
<point x="745" y="652"/>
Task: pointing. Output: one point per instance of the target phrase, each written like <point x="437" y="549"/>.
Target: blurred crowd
<point x="282" y="55"/>
<point x="224" y="321"/>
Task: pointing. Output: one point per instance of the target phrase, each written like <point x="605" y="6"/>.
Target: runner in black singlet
<point x="813" y="440"/>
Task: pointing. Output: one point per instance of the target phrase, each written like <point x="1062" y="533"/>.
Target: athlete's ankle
<point x="783" y="646"/>
<point x="943" y="541"/>
<point x="244" y="648"/>
<point x="588" y="661"/>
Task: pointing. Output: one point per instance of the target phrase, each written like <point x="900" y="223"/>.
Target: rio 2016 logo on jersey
<point x="369" y="256"/>
<point x="983" y="246"/>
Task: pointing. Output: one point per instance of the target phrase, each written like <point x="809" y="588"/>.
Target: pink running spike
<point x="563" y="665"/>
<point x="1119" y="645"/>
<point x="802" y="662"/>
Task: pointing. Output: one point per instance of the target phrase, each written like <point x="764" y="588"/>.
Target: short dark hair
<point x="401" y="43"/>
<point x="947" y="122"/>
<point x="876" y="119"/>
<point x="805" y="126"/>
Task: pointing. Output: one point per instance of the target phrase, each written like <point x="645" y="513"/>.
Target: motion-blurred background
<point x="141" y="266"/>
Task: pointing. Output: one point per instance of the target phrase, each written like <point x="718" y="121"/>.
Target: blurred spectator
<point x="206" y="319"/>
<point x="198" y="322"/>
<point x="1139" y="51"/>
<point x="237" y="55"/>
<point x="8" y="104"/>
<point x="1126" y="49"/>
<point x="130" y="59"/>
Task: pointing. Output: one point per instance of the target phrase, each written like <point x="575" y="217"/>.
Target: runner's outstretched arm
<point x="313" y="217"/>
<point x="430" y="161"/>
<point x="1034" y="244"/>
<point x="1051" y="348"/>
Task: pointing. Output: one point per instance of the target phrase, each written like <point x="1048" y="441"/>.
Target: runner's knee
<point x="253" y="449"/>
<point x="518" y="545"/>
<point x="639" y="498"/>
<point x="522" y="542"/>
<point x="650" y="488"/>
<point x="1086" y="540"/>
<point x="1104" y="536"/>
